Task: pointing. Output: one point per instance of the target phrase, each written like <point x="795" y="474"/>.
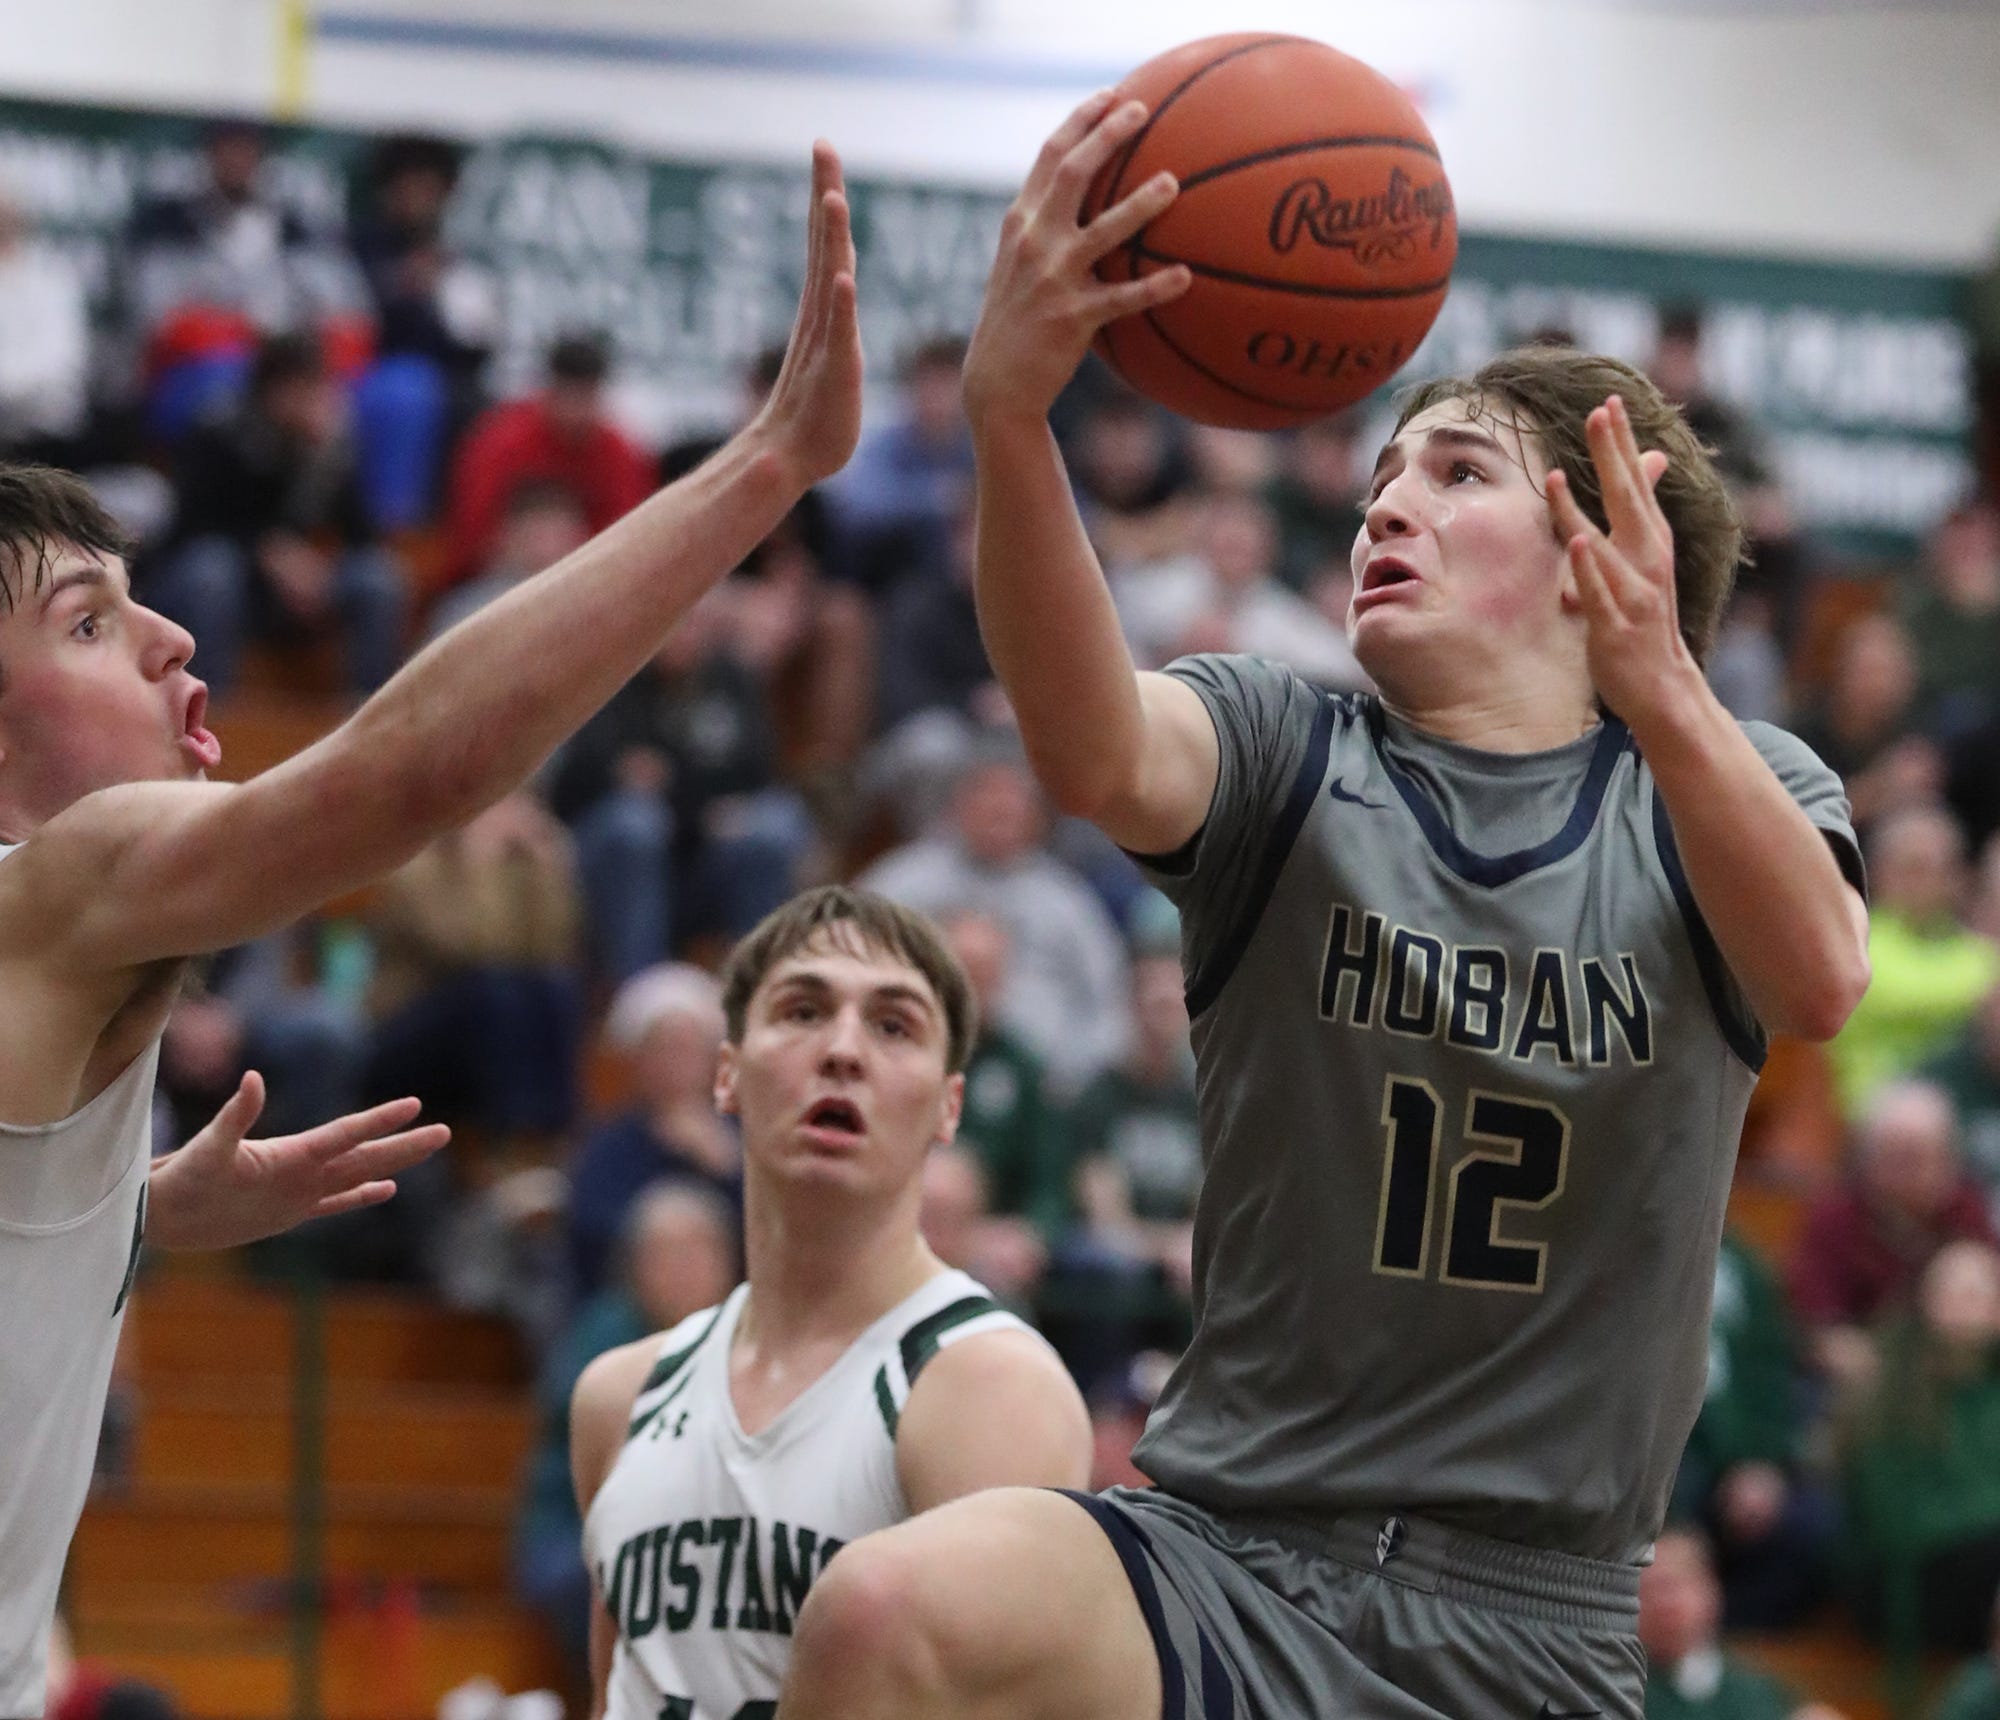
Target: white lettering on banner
<point x="1862" y="369"/>
<point x="1871" y="483"/>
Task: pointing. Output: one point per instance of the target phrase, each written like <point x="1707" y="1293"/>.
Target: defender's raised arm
<point x="151" y="870"/>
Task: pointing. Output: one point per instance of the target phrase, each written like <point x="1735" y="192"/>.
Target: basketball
<point x="1314" y="213"/>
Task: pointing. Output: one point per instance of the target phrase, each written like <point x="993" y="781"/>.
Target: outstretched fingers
<point x="1129" y="215"/>
<point x="1629" y="504"/>
<point x="371" y="1161"/>
<point x="241" y="1109"/>
<point x="1089" y="157"/>
<point x="1581" y="537"/>
<point x="1062" y="140"/>
<point x="829" y="243"/>
<point x="1148" y="292"/>
<point x="330" y="1140"/>
<point x="353" y="1199"/>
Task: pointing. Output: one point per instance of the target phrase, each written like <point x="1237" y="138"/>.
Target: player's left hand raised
<point x="222" y="1189"/>
<point x="1639" y="663"/>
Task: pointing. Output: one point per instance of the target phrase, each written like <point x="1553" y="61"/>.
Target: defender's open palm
<point x="1043" y="302"/>
<point x="222" y="1190"/>
<point x="814" y="410"/>
<point x="1625" y="579"/>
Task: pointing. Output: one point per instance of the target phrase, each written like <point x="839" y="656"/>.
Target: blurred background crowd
<point x="296" y="425"/>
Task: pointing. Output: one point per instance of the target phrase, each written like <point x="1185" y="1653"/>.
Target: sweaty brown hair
<point x="858" y="920"/>
<point x="1548" y="392"/>
<point x="42" y="509"/>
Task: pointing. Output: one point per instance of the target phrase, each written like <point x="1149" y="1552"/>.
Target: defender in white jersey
<point x="853" y="1380"/>
<point x="125" y="861"/>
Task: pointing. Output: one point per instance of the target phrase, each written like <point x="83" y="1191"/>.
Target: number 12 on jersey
<point x="1518" y="1158"/>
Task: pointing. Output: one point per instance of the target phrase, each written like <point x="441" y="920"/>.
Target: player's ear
<point x="950" y="1109"/>
<point x="725" y="1080"/>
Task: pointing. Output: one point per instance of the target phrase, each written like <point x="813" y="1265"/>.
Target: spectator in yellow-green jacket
<point x="1930" y="971"/>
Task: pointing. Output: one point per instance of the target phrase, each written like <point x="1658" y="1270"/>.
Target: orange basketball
<point x="1314" y="212"/>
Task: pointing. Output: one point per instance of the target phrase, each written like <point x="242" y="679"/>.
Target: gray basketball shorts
<point x="1382" y="1618"/>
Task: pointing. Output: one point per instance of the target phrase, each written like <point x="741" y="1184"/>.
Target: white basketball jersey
<point x="72" y="1212"/>
<point x="705" y="1539"/>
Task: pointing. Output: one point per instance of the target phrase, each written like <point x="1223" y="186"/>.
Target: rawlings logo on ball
<point x="1382" y="228"/>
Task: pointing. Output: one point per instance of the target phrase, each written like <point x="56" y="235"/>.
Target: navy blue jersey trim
<point x="1746" y="1038"/>
<point x="1492" y="870"/>
<point x="1128" y="1541"/>
<point x="1218" y="1700"/>
<point x="1207" y="985"/>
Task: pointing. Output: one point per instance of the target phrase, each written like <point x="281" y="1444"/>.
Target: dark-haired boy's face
<point x="94" y="691"/>
<point x="839" y="1077"/>
<point x="1457" y="564"/>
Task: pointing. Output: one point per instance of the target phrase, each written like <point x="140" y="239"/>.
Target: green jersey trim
<point x="663" y="1371"/>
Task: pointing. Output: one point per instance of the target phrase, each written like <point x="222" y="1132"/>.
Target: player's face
<point x="1457" y="564"/>
<point x="840" y="1075"/>
<point x="94" y="691"/>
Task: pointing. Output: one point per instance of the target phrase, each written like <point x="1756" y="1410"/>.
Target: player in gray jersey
<point x="1480" y="972"/>
<point x="126" y="862"/>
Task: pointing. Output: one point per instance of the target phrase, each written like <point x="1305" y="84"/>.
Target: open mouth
<point x="837" y="1117"/>
<point x="1386" y="571"/>
<point x="198" y="740"/>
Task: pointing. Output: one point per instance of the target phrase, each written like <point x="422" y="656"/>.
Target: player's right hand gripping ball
<point x="1314" y="213"/>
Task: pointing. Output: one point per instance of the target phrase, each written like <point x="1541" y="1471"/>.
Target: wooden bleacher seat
<point x="181" y="1573"/>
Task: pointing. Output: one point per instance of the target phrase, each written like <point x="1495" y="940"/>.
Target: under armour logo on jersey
<point x="1340" y="791"/>
<point x="1389" y="1539"/>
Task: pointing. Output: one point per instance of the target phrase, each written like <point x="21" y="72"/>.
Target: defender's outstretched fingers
<point x="343" y="1134"/>
<point x="1128" y="215"/>
<point x="1147" y="293"/>
<point x="373" y="1161"/>
<point x="836" y="263"/>
<point x="820" y="243"/>
<point x="1062" y="140"/>
<point x="354" y="1199"/>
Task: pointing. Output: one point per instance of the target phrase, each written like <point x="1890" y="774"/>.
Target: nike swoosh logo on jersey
<point x="1340" y="791"/>
<point x="1545" y="1712"/>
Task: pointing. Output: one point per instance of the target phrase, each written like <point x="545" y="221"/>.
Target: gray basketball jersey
<point x="1471" y="1074"/>
<point x="72" y="1213"/>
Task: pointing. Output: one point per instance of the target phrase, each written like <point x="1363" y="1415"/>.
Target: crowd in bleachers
<point x="296" y="427"/>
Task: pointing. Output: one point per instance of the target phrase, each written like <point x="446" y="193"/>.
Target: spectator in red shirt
<point x="1867" y="1243"/>
<point x="561" y="435"/>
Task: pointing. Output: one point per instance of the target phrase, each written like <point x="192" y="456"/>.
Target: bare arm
<point x="154" y="870"/>
<point x="1793" y="930"/>
<point x="1135" y="753"/>
<point x="998" y="1410"/>
<point x="599" y="1410"/>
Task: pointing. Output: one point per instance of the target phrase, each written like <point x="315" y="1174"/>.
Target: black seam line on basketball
<point x="1282" y="150"/>
<point x="1300" y="289"/>
<point x="1173" y="95"/>
<point x="1153" y="118"/>
<point x="1195" y="364"/>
